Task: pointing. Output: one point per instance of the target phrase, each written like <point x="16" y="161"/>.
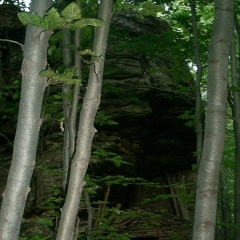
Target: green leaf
<point x="16" y="82"/>
<point x="71" y="12"/>
<point x="232" y="89"/>
<point x="47" y="73"/>
<point x="85" y="22"/>
<point x="16" y="95"/>
<point x="44" y="221"/>
<point x="189" y="124"/>
<point x="37" y="238"/>
<point x="91" y="191"/>
<point x="86" y="52"/>
<point x="112" y="123"/>
<point x="57" y="191"/>
<point x="117" y="211"/>
<point x="31" y="18"/>
<point x="53" y="19"/>
<point x="93" y="22"/>
<point x="102" y="225"/>
<point x="117" y="163"/>
<point x="59" y="200"/>
<point x="187" y="115"/>
<point x="38" y="166"/>
<point x="228" y="150"/>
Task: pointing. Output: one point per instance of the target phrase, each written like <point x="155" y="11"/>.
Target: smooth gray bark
<point x="217" y="92"/>
<point x="70" y="113"/>
<point x="28" y="126"/>
<point x="66" y="90"/>
<point x="236" y="125"/>
<point x="198" y="104"/>
<point x="76" y="90"/>
<point x="86" y="128"/>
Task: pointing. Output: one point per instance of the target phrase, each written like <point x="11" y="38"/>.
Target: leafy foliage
<point x="189" y="116"/>
<point x="49" y="171"/>
<point x="34" y="238"/>
<point x="70" y="18"/>
<point x="68" y="76"/>
<point x="102" y="119"/>
<point x="54" y="203"/>
<point x="109" y="156"/>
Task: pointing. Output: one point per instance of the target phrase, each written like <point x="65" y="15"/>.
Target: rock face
<point x="144" y="92"/>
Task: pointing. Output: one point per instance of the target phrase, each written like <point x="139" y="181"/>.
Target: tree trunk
<point x="217" y="91"/>
<point x="86" y="129"/>
<point x="76" y="89"/>
<point x="29" y="122"/>
<point x="66" y="90"/>
<point x="197" y="85"/>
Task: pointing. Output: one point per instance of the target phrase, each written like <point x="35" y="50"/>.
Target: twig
<point x="11" y="41"/>
<point x="77" y="226"/>
<point x="101" y="207"/>
<point x="6" y="139"/>
<point x="90" y="213"/>
<point x="112" y="216"/>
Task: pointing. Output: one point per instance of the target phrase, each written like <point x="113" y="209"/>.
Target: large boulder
<point x="145" y="91"/>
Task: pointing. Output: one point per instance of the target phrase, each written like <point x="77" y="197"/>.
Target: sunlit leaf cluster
<point x="70" y="18"/>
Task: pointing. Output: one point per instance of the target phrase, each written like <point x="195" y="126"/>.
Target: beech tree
<point x="198" y="104"/>
<point x="86" y="128"/>
<point x="217" y="92"/>
<point x="28" y="126"/>
<point x="66" y="90"/>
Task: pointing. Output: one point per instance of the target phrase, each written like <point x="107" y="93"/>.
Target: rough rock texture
<point x="144" y="92"/>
